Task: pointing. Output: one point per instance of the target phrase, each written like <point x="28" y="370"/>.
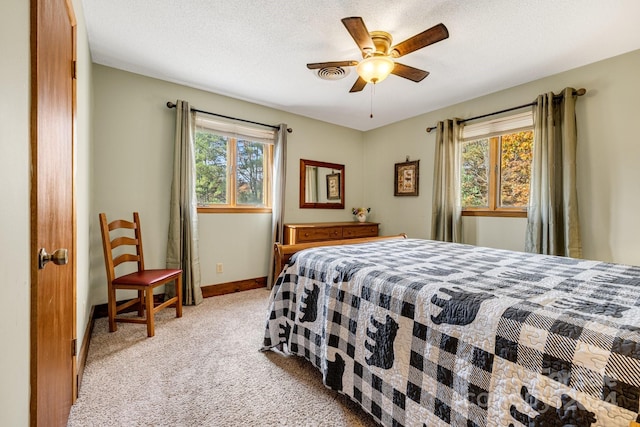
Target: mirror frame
<point x="305" y="205"/>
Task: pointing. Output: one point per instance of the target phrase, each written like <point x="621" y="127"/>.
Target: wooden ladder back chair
<point x="142" y="280"/>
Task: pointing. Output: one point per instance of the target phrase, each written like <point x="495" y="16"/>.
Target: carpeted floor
<point x="204" y="369"/>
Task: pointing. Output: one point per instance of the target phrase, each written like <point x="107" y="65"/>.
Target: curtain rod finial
<point x="430" y="128"/>
<point x="581" y="91"/>
<point x="170" y="104"/>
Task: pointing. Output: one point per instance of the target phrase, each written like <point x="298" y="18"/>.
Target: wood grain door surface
<point x="52" y="211"/>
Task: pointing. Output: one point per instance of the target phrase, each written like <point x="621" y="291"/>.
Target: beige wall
<point x="133" y="135"/>
<point x="608" y="156"/>
<point x="14" y="226"/>
<point x="131" y="117"/>
<point x="83" y="162"/>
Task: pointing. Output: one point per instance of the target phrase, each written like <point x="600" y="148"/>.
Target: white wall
<point x="607" y="166"/>
<point x="133" y="150"/>
<point x="14" y="226"/>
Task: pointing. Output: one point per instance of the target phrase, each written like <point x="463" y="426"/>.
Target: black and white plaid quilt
<point x="426" y="333"/>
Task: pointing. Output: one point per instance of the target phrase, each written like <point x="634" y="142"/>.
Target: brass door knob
<point x="59" y="257"/>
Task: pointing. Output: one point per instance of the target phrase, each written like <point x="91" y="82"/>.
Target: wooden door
<point x="52" y="211"/>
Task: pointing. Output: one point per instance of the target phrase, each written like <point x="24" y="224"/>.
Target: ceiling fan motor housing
<point x="382" y="41"/>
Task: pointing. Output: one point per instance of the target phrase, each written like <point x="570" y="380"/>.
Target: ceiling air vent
<point x="332" y="73"/>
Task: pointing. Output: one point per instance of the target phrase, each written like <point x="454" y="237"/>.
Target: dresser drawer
<point x="359" y="231"/>
<point x="321" y="231"/>
<point x="318" y="233"/>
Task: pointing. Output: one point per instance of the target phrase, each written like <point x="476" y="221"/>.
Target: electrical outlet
<point x="219" y="268"/>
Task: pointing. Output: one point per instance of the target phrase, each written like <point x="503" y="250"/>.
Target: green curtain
<point x="446" y="224"/>
<point x="182" y="243"/>
<point x="552" y="219"/>
<point x="277" y="210"/>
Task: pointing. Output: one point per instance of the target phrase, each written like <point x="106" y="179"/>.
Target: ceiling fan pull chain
<point x="373" y="89"/>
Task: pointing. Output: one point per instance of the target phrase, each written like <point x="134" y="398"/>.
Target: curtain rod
<point x="172" y="105"/>
<point x="578" y="92"/>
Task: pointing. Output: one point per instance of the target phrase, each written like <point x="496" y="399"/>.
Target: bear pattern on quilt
<point x="468" y="327"/>
<point x="569" y="413"/>
<point x="383" y="335"/>
<point x="460" y="309"/>
<point x="335" y="371"/>
<point x="310" y="304"/>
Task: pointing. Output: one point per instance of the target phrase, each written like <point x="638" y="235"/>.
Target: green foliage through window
<point x="475" y="173"/>
<point x="231" y="172"/>
<point x="496" y="171"/>
<point x="211" y="168"/>
<point x="250" y="173"/>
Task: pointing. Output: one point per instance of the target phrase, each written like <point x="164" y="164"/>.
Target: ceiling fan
<point x="379" y="56"/>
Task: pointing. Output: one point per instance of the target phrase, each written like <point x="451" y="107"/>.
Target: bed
<point x="426" y="333"/>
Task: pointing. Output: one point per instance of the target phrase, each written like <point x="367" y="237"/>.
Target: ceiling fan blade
<point x="317" y="65"/>
<point x="357" y="29"/>
<point x="358" y="85"/>
<point x="432" y="35"/>
<point x="408" y="72"/>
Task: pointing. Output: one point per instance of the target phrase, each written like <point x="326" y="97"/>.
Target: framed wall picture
<point x="333" y="186"/>
<point x="406" y="178"/>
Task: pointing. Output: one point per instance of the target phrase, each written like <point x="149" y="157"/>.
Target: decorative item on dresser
<point x="319" y="231"/>
<point x="360" y="213"/>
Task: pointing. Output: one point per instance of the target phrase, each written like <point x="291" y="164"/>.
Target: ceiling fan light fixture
<point x="375" y="69"/>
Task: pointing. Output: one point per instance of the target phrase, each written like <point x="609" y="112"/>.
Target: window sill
<point x="233" y="210"/>
<point x="497" y="213"/>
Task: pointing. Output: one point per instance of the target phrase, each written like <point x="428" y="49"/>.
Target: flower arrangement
<point x="358" y="211"/>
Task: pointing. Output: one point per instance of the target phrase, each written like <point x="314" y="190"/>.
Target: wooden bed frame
<point x="284" y="252"/>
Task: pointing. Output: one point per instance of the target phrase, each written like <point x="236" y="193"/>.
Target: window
<point x="233" y="167"/>
<point x="496" y="166"/>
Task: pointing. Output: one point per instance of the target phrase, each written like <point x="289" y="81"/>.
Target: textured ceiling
<point x="257" y="50"/>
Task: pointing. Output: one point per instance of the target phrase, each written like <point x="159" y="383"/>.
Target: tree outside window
<point x="232" y="173"/>
<point x="495" y="174"/>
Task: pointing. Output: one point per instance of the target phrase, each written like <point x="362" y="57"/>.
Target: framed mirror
<point x="321" y="185"/>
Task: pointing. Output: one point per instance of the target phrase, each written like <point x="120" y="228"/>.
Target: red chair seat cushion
<point x="146" y="277"/>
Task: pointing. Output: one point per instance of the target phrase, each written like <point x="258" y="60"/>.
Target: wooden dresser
<point x="321" y="231"/>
